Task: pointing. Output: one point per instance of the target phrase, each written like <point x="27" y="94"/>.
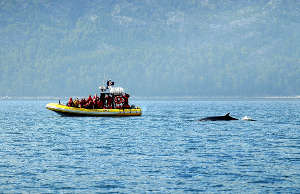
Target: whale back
<point x="226" y="117"/>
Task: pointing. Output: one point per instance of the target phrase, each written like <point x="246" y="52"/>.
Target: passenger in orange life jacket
<point x="76" y="103"/>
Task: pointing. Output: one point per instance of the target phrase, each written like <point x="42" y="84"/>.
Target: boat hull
<point x="72" y="111"/>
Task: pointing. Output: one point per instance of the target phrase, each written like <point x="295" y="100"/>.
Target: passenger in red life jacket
<point x="126" y="103"/>
<point x="102" y="99"/>
<point x="109" y="101"/>
<point x="91" y="104"/>
<point x="90" y="98"/>
<point x="95" y="97"/>
<point x="99" y="104"/>
<point x="81" y="103"/>
<point x="95" y="103"/>
<point x="70" y="103"/>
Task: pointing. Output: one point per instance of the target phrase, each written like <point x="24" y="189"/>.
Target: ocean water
<point x="164" y="151"/>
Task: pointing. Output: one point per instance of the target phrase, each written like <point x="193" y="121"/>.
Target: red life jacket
<point x="90" y="98"/>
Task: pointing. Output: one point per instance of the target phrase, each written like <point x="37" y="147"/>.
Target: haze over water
<point x="166" y="150"/>
<point x="150" y="47"/>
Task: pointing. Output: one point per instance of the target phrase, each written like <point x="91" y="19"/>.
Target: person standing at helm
<point x="109" y="83"/>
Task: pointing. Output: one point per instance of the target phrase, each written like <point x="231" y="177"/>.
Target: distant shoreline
<point x="189" y="98"/>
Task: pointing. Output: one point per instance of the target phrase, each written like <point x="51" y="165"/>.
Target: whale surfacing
<point x="226" y="117"/>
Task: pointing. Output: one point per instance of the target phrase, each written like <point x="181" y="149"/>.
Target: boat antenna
<point x="104" y="78"/>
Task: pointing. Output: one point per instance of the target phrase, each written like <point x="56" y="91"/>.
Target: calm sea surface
<point x="166" y="150"/>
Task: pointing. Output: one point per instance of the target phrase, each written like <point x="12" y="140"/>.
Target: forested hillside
<point x="150" y="47"/>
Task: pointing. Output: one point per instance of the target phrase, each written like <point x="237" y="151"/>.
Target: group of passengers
<point x="105" y="101"/>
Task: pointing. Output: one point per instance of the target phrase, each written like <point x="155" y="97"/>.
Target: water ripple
<point x="164" y="151"/>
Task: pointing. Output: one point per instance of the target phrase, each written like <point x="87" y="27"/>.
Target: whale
<point x="226" y="117"/>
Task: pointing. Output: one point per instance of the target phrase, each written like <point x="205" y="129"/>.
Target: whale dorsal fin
<point x="227" y="115"/>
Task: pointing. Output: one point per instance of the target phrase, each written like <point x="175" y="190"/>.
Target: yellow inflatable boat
<point x="113" y="101"/>
<point x="72" y="111"/>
